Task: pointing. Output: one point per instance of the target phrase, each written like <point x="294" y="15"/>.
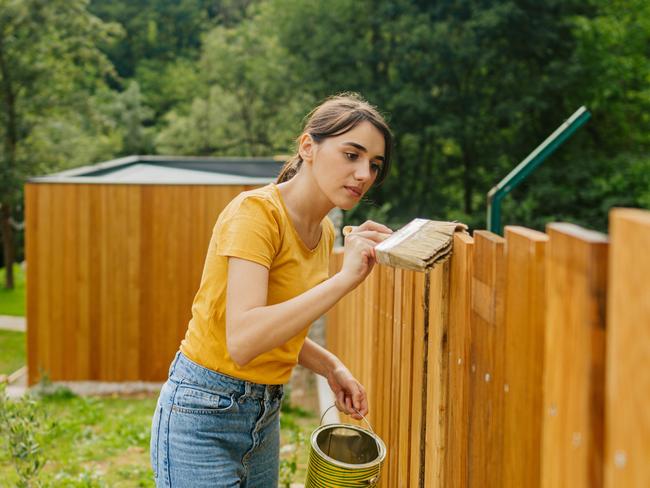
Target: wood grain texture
<point x="459" y="359"/>
<point x="386" y="361"/>
<point x="437" y="378"/>
<point x="416" y="417"/>
<point x="112" y="273"/>
<point x="485" y="458"/>
<point x="576" y="272"/>
<point x="524" y="356"/>
<point x="395" y="388"/>
<point x="627" y="462"/>
<point x="405" y="379"/>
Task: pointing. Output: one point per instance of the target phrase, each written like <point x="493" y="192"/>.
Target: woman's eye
<point x="376" y="167"/>
<point x="351" y="156"/>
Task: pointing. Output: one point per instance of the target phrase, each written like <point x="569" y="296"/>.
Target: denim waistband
<point x="185" y="370"/>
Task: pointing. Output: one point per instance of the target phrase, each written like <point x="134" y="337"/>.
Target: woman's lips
<point x="355" y="192"/>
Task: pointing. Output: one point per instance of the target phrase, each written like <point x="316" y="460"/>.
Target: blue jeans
<point x="214" y="430"/>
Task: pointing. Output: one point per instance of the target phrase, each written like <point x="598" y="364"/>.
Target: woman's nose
<point x="362" y="172"/>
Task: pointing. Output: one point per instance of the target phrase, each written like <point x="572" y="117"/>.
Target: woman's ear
<point x="306" y="147"/>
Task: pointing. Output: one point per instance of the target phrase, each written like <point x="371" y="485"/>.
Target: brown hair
<point x="335" y="116"/>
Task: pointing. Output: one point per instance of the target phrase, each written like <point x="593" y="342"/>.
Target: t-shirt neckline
<point x="293" y="227"/>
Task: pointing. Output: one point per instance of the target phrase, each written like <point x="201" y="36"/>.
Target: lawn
<point x="102" y="442"/>
<point x="12" y="351"/>
<point x="12" y="302"/>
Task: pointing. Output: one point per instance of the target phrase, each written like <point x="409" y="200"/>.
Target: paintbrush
<point x="419" y="245"/>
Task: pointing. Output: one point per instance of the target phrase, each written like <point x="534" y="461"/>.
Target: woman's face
<point x="346" y="166"/>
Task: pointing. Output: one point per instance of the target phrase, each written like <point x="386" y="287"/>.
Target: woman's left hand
<point x="350" y="394"/>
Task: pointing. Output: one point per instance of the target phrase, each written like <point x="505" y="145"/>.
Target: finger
<point x="340" y="400"/>
<point x="365" y="249"/>
<point x="371" y="225"/>
<point x="364" y="405"/>
<point x="357" y="399"/>
<point x="360" y="241"/>
<point x="372" y="235"/>
<point x="369" y="252"/>
<point x="369" y="259"/>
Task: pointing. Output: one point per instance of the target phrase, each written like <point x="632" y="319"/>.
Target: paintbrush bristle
<point x="419" y="245"/>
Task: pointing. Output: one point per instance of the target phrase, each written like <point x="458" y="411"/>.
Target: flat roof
<point x="172" y="170"/>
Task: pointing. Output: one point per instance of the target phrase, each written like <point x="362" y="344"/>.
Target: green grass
<point x="12" y="302"/>
<point x="104" y="442"/>
<point x="12" y="351"/>
<point x="296" y="426"/>
<point x="92" y="442"/>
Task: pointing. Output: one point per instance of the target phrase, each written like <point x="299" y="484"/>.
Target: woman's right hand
<point x="359" y="254"/>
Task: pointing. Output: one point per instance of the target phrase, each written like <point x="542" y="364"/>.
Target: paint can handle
<point x="334" y="405"/>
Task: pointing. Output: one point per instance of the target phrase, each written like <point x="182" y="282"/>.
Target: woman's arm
<point x="318" y="359"/>
<point x="349" y="393"/>
<point x="253" y="327"/>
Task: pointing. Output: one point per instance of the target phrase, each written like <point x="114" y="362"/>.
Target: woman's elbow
<point x="238" y="352"/>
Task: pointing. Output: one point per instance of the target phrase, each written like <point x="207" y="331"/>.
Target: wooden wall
<point x="111" y="275"/>
<point x="522" y="361"/>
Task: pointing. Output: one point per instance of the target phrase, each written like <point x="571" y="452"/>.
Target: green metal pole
<point x="528" y="165"/>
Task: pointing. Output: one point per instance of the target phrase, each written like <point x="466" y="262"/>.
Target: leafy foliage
<point x="22" y="430"/>
<point x="469" y="88"/>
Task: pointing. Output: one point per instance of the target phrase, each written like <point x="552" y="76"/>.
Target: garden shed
<point x="114" y="256"/>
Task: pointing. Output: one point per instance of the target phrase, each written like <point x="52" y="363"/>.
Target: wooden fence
<point x="523" y="361"/>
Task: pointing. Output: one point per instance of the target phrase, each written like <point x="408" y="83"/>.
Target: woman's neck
<point x="306" y="203"/>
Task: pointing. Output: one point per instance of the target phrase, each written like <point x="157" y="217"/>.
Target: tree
<point x="48" y="58"/>
<point x="247" y="104"/>
<point x="469" y="86"/>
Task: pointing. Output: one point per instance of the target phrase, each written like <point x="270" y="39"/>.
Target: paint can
<point x="344" y="456"/>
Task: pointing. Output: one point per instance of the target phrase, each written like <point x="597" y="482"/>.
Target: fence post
<point x="486" y="370"/>
<point x="459" y="338"/>
<point x="524" y="356"/>
<point x="576" y="270"/>
<point x="627" y="462"/>
<point x="437" y="382"/>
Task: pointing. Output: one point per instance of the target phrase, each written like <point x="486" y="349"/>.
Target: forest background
<point x="469" y="87"/>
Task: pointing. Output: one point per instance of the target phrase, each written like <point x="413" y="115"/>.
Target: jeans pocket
<point x="194" y="400"/>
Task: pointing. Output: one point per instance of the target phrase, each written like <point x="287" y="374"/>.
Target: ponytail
<point x="290" y="168"/>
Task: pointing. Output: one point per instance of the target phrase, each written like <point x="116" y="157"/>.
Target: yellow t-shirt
<point x="254" y="226"/>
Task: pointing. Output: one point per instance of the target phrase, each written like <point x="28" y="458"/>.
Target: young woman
<point x="264" y="282"/>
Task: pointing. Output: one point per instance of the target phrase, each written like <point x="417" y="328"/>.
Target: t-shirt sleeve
<point x="249" y="231"/>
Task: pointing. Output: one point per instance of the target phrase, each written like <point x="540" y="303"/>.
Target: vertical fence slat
<point x="459" y="359"/>
<point x="405" y="369"/>
<point x="437" y="378"/>
<point x="395" y="390"/>
<point x="627" y="462"/>
<point x="388" y="284"/>
<point x="34" y="301"/>
<point x="574" y="359"/>
<point x="417" y="382"/>
<point x="524" y="356"/>
<point x="372" y="341"/>
<point x="84" y="289"/>
<point x="486" y="378"/>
